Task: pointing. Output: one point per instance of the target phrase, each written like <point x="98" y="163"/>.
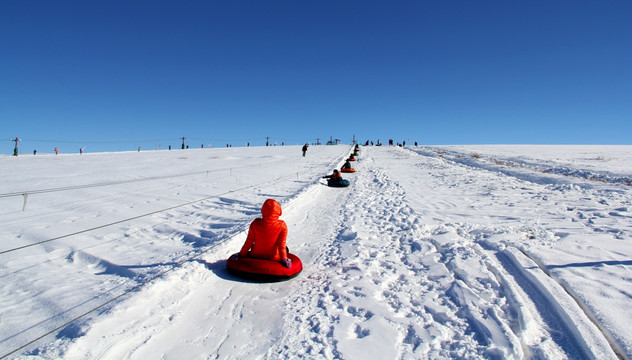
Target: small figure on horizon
<point x="56" y="151"/>
<point x="305" y="149"/>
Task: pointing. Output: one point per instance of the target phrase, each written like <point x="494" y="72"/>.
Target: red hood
<point x="271" y="209"/>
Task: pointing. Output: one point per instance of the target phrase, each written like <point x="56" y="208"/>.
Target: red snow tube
<point x="351" y="159"/>
<point x="347" y="170"/>
<point x="264" y="270"/>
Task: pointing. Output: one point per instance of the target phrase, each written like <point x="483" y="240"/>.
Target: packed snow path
<point x="428" y="254"/>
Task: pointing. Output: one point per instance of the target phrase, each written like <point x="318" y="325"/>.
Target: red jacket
<point x="267" y="235"/>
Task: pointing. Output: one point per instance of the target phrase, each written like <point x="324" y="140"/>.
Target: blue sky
<point x="114" y="75"/>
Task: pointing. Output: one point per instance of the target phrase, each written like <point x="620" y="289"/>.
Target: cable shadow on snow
<point x="126" y="271"/>
<point x="204" y="239"/>
<point x="591" y="264"/>
<point x="245" y="207"/>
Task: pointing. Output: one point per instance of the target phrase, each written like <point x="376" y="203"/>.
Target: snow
<point x="495" y="252"/>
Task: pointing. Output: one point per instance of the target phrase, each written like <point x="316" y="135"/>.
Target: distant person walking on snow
<point x="305" y="149"/>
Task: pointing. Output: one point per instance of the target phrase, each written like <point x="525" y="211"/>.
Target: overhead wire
<point x="118" y="182"/>
<point x="142" y="215"/>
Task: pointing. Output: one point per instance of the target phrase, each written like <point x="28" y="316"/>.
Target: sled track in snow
<point x="201" y="246"/>
<point x="522" y="170"/>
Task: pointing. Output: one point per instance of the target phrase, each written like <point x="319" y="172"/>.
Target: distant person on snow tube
<point x="335" y="177"/>
<point x="347" y="165"/>
<point x="267" y="236"/>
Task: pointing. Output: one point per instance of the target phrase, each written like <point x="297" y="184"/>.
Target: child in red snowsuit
<point x="267" y="236"/>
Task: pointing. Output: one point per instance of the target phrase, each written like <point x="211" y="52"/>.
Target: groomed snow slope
<point x="432" y="252"/>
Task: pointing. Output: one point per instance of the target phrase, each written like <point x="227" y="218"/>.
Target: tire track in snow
<point x="535" y="316"/>
<point x="564" y="328"/>
<point x="608" y="212"/>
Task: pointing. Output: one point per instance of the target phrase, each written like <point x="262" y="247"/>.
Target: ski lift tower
<point x="15" y="151"/>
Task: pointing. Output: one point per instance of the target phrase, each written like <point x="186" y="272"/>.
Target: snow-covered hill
<point x="432" y="252"/>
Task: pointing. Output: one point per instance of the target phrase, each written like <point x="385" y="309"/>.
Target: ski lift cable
<point x="119" y="182"/>
<point x="146" y="214"/>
